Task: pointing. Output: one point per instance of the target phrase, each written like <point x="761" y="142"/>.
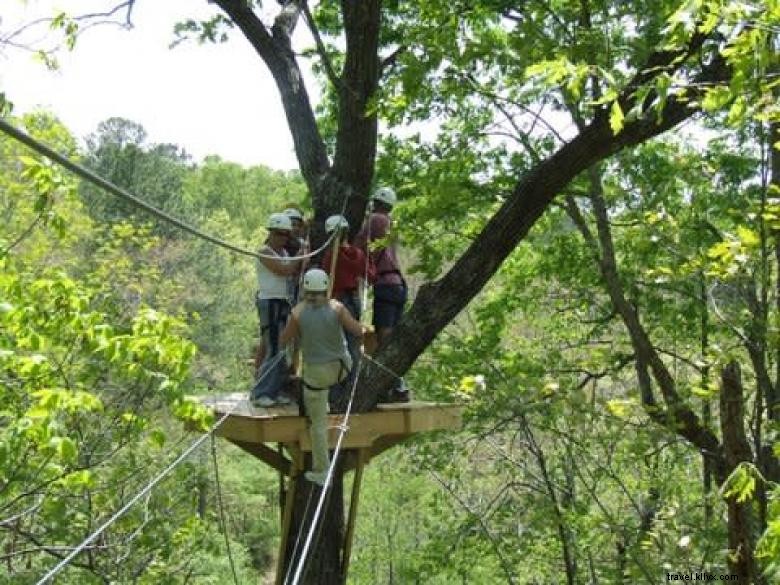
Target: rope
<point x="383" y="367"/>
<point x="334" y="260"/>
<point x="148" y="488"/>
<point x="90" y="176"/>
<point x="318" y="510"/>
<point x="343" y="428"/>
<point x="222" y="508"/>
<point x="364" y="300"/>
<point x="298" y="537"/>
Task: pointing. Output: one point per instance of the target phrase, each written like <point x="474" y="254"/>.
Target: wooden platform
<point x="372" y="432"/>
<point x="367" y="435"/>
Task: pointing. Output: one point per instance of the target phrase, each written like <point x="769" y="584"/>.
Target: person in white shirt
<point x="273" y="304"/>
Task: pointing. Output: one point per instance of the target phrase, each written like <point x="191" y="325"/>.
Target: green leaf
<point x="616" y="118"/>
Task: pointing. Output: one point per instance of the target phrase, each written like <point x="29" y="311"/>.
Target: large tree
<point x="640" y="88"/>
<point x="626" y="72"/>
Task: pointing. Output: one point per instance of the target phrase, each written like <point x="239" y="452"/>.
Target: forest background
<point x="619" y="371"/>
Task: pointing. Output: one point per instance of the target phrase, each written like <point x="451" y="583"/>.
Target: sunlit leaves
<point x="616" y="117"/>
<point x="212" y="30"/>
<point x="741" y="484"/>
<point x="732" y="255"/>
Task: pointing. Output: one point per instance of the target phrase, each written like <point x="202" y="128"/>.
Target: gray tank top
<point x="322" y="338"/>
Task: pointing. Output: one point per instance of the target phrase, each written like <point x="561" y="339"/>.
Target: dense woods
<point x="590" y="223"/>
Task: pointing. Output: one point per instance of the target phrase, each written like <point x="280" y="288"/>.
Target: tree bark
<point x="275" y="49"/>
<point x="322" y="561"/>
<point x="736" y="450"/>
<point x="356" y="138"/>
<point x="350" y="176"/>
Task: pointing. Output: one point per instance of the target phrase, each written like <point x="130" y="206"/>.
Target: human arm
<point x="291" y="330"/>
<point x="279" y="265"/>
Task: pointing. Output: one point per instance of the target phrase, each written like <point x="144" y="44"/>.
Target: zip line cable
<point x="90" y="176"/>
<point x="149" y="487"/>
<point x="343" y="428"/>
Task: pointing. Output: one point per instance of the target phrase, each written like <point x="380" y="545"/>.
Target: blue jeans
<point x="389" y="301"/>
<point x="274" y="370"/>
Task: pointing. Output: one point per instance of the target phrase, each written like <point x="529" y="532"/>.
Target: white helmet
<point x="385" y="195"/>
<point x="336" y="222"/>
<point x="315" y="280"/>
<point x="293" y="213"/>
<point x="279" y="221"/>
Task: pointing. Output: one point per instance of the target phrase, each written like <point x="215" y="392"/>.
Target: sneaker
<point x="283" y="400"/>
<point x="400" y="396"/>
<point x="263" y="401"/>
<point x="316" y="477"/>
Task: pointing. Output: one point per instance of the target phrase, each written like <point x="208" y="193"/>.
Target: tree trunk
<point x="736" y="450"/>
<point x="322" y="561"/>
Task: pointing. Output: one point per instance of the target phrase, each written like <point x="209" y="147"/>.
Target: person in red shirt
<point x="351" y="268"/>
<point x="390" y="289"/>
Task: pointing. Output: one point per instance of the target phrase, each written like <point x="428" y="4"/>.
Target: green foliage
<point x="768" y="549"/>
<point x="91" y="375"/>
<point x="565" y="464"/>
<point x="741" y="484"/>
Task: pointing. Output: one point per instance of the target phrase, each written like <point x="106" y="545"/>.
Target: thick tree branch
<point x="439" y="302"/>
<point x="736" y="450"/>
<point x="321" y="50"/>
<point x="391" y="59"/>
<point x="276" y="52"/>
<point x="285" y="21"/>
<point x="680" y="417"/>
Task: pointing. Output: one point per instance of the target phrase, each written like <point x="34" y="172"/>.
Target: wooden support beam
<point x="361" y="458"/>
<point x="369" y="434"/>
<point x="265" y="454"/>
<point x="379" y="446"/>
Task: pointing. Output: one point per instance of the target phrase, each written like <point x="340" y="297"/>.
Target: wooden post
<point x="289" y="503"/>
<point x="362" y="455"/>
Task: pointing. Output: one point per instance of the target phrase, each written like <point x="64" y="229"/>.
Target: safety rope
<point x="333" y="264"/>
<point x="147" y="489"/>
<point x="383" y="367"/>
<point x="294" y="554"/>
<point x="343" y="428"/>
<point x="90" y="176"/>
<point x="334" y="259"/>
<point x="364" y="300"/>
<point x="221" y="506"/>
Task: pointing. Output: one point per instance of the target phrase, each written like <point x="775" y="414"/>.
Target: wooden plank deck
<point x="282" y="424"/>
<point x="253" y="428"/>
